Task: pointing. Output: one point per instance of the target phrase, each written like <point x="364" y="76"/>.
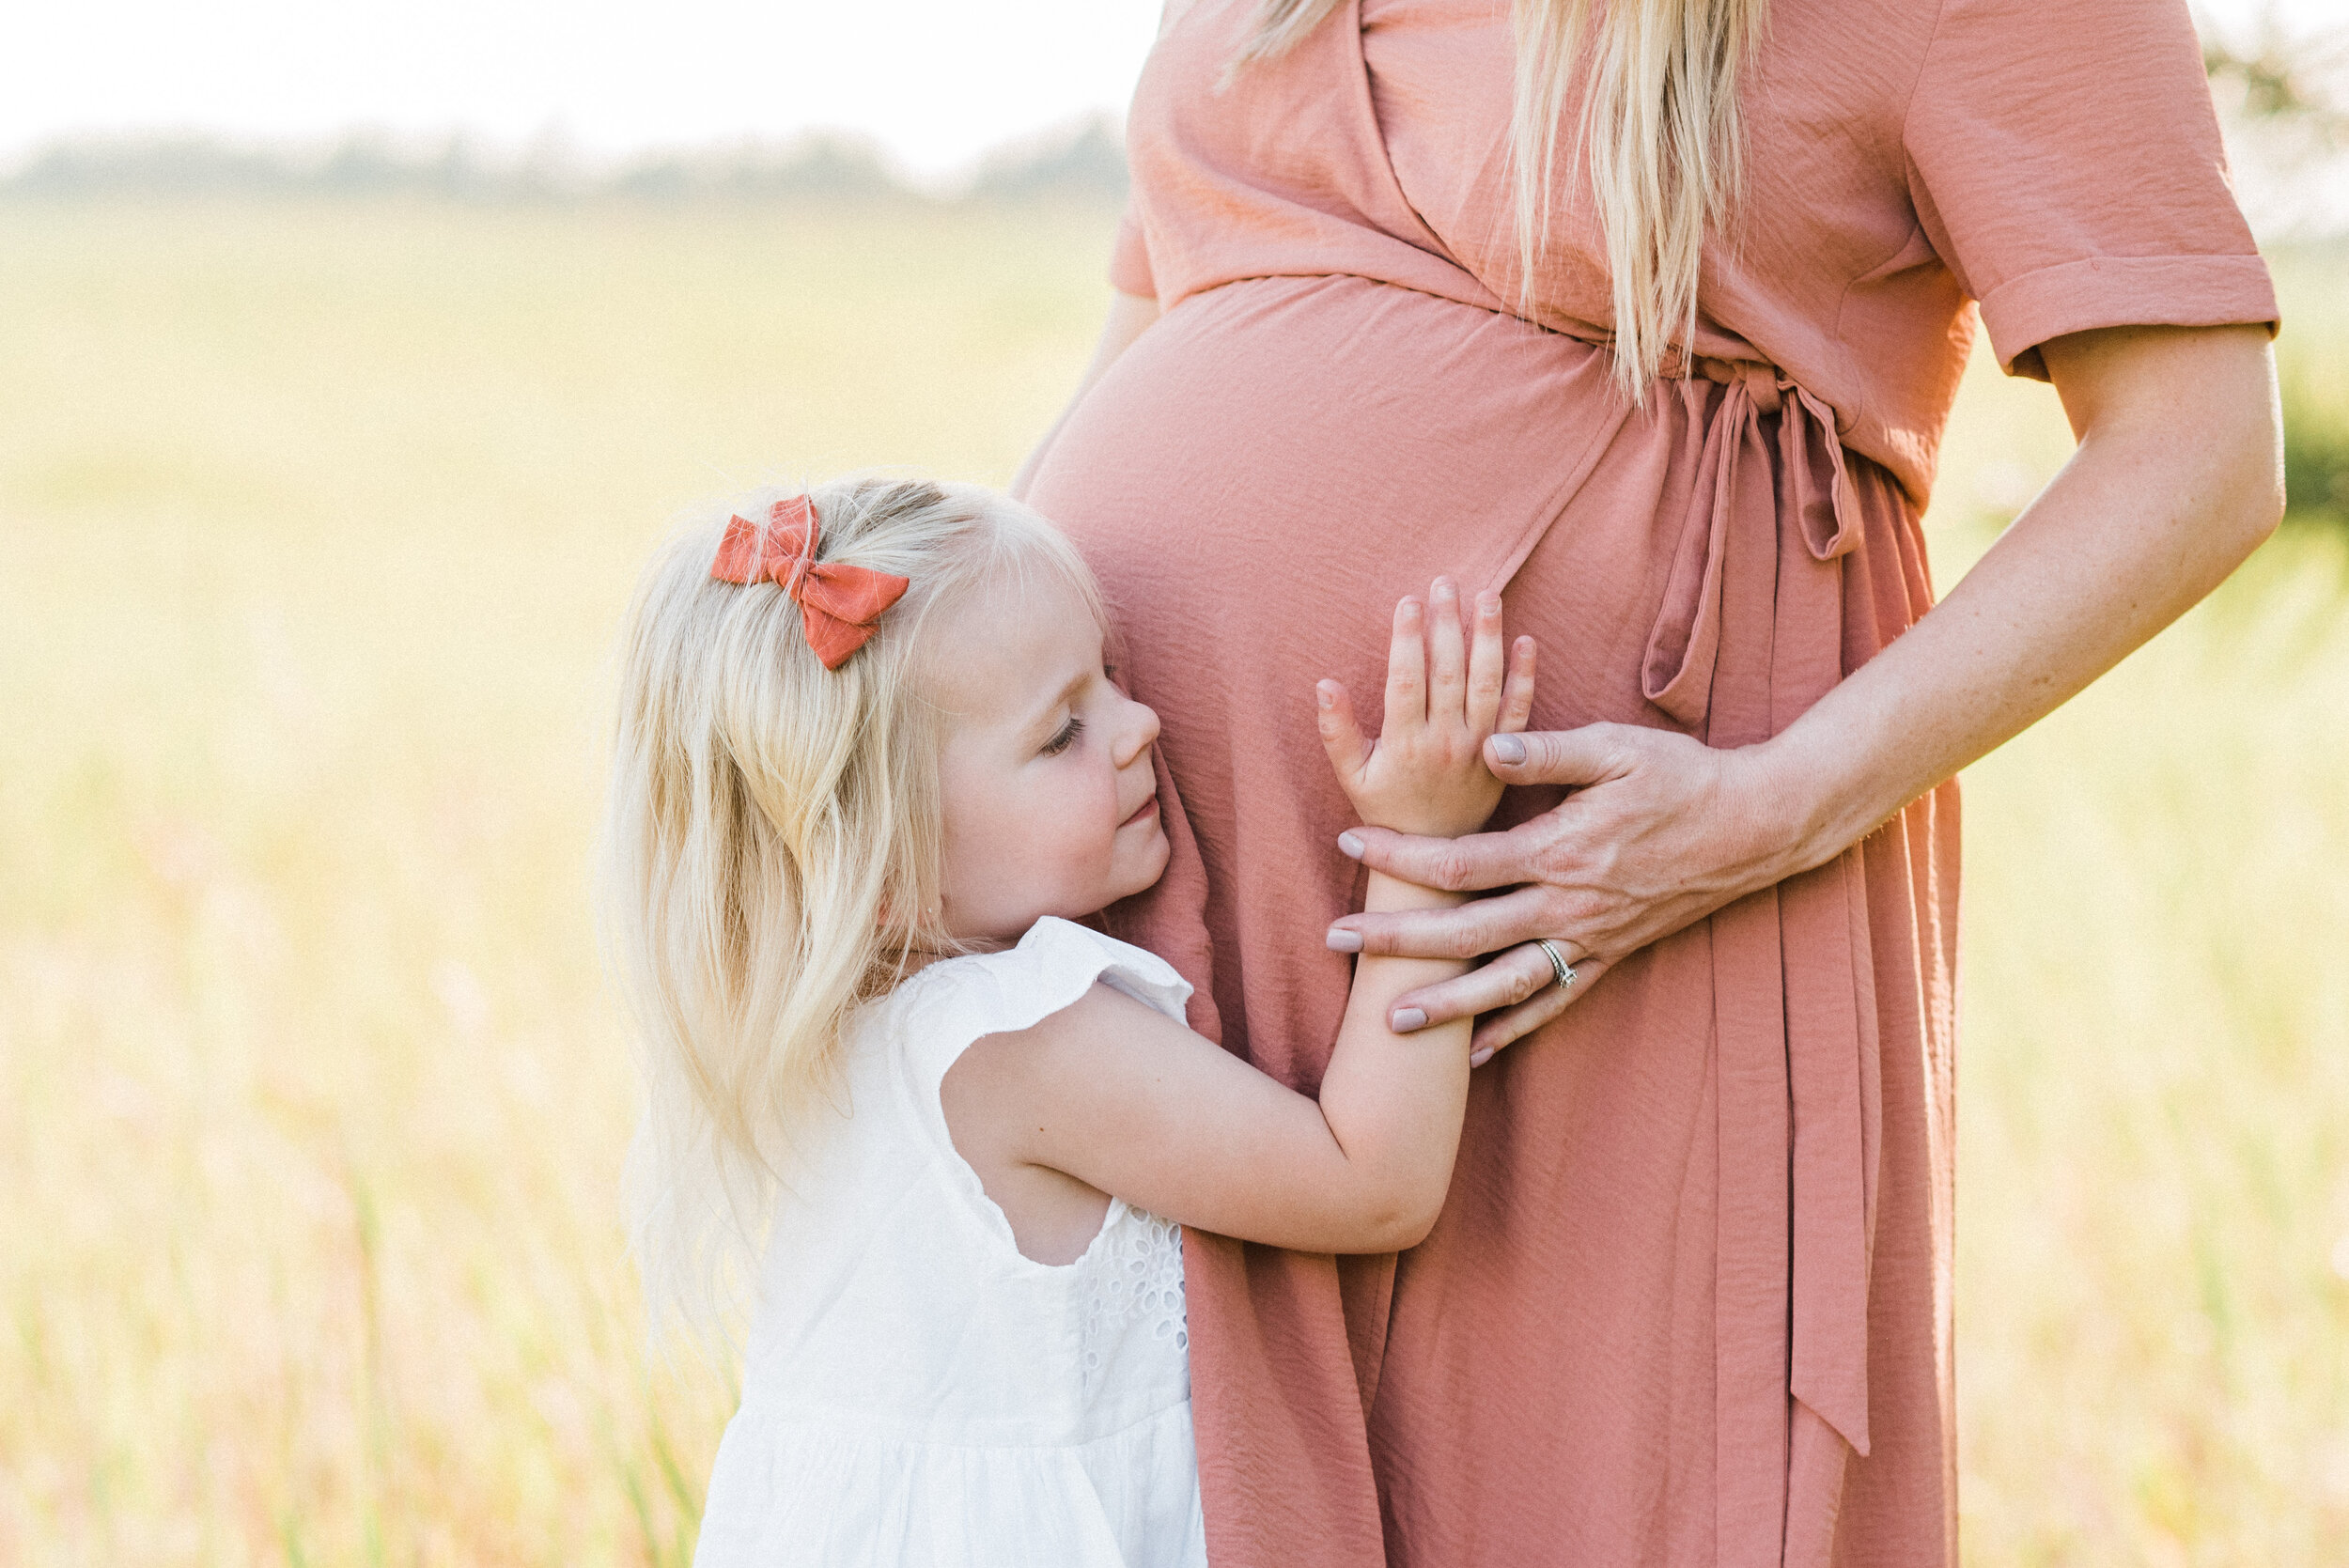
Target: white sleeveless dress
<point x="918" y="1393"/>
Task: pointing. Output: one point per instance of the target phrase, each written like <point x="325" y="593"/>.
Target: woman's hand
<point x="1446" y="696"/>
<point x="2142" y="523"/>
<point x="1661" y="831"/>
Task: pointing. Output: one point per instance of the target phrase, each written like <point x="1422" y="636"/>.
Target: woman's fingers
<point x="1407" y="669"/>
<point x="1341" y="732"/>
<point x="1502" y="1030"/>
<point x="1479" y="927"/>
<point x="1447" y="662"/>
<point x="1485" y="659"/>
<point x="1467" y="864"/>
<point x="1511" y="978"/>
<point x="1516" y="698"/>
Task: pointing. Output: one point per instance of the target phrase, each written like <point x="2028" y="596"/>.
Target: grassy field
<point x="313" y="523"/>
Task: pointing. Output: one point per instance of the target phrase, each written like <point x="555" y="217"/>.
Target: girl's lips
<point x="1142" y="812"/>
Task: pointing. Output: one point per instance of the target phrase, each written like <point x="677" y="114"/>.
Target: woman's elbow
<point x="2259" y="497"/>
<point x="2256" y="476"/>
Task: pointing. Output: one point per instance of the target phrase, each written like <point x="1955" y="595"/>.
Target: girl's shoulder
<point x="940" y="1010"/>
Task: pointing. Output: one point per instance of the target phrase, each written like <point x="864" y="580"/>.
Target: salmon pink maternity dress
<point x="1688" y="1301"/>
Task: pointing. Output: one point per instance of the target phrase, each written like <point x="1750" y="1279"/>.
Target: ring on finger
<point x="1557" y="965"/>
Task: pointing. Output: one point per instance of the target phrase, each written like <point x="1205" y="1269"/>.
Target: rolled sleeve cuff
<point x="2122" y="291"/>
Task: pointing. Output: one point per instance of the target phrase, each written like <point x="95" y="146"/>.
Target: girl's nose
<point x="1139" y="731"/>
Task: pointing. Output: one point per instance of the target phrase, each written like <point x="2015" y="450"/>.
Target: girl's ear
<point x="888" y="920"/>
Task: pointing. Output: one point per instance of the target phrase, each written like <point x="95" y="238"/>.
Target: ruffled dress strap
<point x="950" y="1005"/>
<point x="946" y="1009"/>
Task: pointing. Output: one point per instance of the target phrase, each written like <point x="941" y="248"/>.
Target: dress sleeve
<point x="1129" y="260"/>
<point x="2064" y="159"/>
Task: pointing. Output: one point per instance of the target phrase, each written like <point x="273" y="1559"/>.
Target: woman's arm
<point x="2178" y="477"/>
<point x="1128" y="1101"/>
<point x="1128" y="314"/>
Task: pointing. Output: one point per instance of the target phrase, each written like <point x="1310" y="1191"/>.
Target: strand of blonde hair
<point x="1658" y="134"/>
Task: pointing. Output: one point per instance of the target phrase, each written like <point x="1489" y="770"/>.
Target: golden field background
<point x="315" y="518"/>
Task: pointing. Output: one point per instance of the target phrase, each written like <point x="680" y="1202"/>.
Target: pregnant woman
<point x="1654" y="323"/>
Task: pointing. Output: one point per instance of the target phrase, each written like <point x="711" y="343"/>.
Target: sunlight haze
<point x="934" y="81"/>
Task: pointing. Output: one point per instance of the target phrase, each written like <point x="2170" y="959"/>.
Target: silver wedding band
<point x="1557" y="965"/>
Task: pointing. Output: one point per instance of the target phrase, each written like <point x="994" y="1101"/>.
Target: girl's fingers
<point x="1406" y="670"/>
<point x="1341" y="734"/>
<point x="1516" y="698"/>
<point x="1447" y="676"/>
<point x="1485" y="666"/>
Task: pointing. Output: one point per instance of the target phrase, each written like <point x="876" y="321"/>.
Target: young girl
<point x="870" y="768"/>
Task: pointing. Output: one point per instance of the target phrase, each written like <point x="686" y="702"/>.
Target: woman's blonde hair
<point x="1659" y="131"/>
<point x="771" y="849"/>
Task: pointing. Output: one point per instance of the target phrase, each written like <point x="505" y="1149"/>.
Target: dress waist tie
<point x="1749" y="635"/>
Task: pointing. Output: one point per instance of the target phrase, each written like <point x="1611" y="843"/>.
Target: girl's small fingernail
<point x="1408" y="1018"/>
<point x="1321" y="695"/>
<point x="1478" y="1057"/>
<point x="1344" y="941"/>
<point x="1350" y="844"/>
<point x="1509" y="748"/>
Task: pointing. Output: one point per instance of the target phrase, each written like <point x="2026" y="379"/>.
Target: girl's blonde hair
<point x="1659" y="131"/>
<point x="771" y="849"/>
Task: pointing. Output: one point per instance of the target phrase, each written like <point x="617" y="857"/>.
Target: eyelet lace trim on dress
<point x="1134" y="1284"/>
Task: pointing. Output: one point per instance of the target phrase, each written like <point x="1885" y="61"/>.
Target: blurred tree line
<point x="1082" y="161"/>
<point x="2275" y="80"/>
<point x="2288" y="87"/>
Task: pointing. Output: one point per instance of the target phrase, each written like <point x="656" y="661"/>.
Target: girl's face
<point x="1051" y="802"/>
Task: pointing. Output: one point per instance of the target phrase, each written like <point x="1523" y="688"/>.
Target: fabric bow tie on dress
<point x="838" y="602"/>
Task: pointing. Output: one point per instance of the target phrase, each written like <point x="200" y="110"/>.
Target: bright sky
<point x="938" y="81"/>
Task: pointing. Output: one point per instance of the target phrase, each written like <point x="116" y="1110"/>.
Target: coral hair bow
<point x="838" y="602"/>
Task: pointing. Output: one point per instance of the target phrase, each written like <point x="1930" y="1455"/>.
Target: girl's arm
<point x="1129" y="314"/>
<point x="1123" y="1099"/>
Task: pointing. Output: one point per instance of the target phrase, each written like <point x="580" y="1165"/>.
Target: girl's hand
<point x="1425" y="773"/>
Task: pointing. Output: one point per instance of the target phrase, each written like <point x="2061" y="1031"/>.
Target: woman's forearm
<point x="1128" y="314"/>
<point x="2177" y="479"/>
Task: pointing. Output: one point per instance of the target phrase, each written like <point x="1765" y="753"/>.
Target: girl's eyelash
<point x="1066" y="736"/>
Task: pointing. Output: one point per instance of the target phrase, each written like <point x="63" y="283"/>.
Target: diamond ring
<point x="1557" y="965"/>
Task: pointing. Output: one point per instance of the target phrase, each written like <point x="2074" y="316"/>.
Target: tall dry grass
<point x="312" y="520"/>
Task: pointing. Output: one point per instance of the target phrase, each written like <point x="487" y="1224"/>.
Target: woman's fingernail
<point x="1344" y="941"/>
<point x="1478" y="1057"/>
<point x="1350" y="844"/>
<point x="1321" y="695"/>
<point x="1407" y="1019"/>
<point x="1509" y="748"/>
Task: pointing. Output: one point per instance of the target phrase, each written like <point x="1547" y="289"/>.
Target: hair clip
<point x="838" y="602"/>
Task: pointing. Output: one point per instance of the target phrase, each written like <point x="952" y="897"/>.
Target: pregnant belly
<point x="1256" y="481"/>
<point x="1274" y="463"/>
